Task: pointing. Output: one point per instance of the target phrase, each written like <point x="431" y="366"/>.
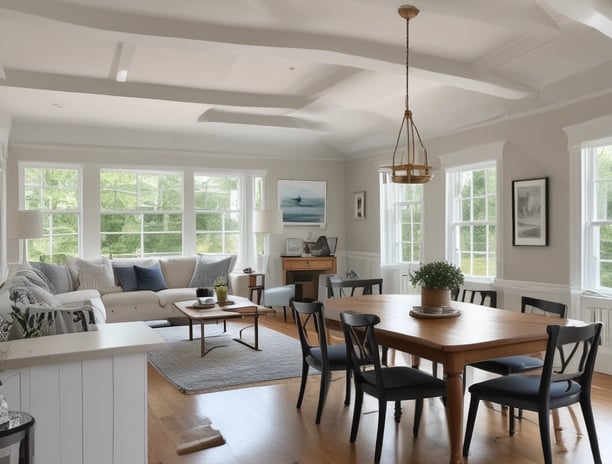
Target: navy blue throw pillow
<point x="150" y="278"/>
<point x="126" y="275"/>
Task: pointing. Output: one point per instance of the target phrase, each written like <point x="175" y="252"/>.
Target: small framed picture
<point x="359" y="206"/>
<point x="530" y="212"/>
<point x="294" y="247"/>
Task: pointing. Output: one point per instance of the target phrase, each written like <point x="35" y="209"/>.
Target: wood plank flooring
<point x="261" y="425"/>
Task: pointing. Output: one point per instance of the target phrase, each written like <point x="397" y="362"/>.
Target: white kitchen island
<point x="87" y="392"/>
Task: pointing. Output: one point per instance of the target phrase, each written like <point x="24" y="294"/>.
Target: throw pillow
<point x="58" y="274"/>
<point x="126" y="276"/>
<point x="98" y="276"/>
<point x="150" y="278"/>
<point x="208" y="268"/>
<point x="34" y="278"/>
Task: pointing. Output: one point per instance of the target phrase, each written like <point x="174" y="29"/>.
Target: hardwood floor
<point x="261" y="425"/>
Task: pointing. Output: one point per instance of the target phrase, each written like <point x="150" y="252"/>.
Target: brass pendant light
<point x="410" y="170"/>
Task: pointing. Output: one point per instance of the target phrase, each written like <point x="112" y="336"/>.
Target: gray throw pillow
<point x="58" y="274"/>
<point x="35" y="278"/>
<point x="126" y="276"/>
<point x="209" y="268"/>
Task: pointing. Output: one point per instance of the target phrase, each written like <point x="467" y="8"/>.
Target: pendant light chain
<point x="409" y="171"/>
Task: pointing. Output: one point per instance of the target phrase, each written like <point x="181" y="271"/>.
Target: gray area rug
<point x="229" y="365"/>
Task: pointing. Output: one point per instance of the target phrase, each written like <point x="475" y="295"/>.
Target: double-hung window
<point x="141" y="213"/>
<point x="598" y="217"/>
<point x="56" y="192"/>
<point x="472" y="216"/>
<point x="401" y="222"/>
<point x="218" y="213"/>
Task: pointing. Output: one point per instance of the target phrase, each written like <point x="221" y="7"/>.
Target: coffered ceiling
<point x="309" y="79"/>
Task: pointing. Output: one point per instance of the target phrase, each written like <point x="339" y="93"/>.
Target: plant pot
<point x="221" y="293"/>
<point x="435" y="297"/>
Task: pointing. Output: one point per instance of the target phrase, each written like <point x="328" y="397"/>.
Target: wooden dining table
<point x="477" y="334"/>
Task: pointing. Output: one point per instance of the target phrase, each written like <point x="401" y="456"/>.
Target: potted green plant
<point x="436" y="279"/>
<point x="221" y="289"/>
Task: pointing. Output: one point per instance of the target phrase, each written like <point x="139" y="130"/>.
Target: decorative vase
<point x="221" y="292"/>
<point x="435" y="297"/>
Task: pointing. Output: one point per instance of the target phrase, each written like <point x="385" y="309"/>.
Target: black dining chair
<point x="522" y="363"/>
<point x="316" y="353"/>
<point x="339" y="287"/>
<point x="557" y="386"/>
<point x="384" y="383"/>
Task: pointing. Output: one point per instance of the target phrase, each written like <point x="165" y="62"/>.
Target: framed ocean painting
<point x="303" y="202"/>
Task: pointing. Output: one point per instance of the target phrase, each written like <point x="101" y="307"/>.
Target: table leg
<point x="256" y="328"/>
<point x="202" y="339"/>
<point x="454" y="411"/>
<point x="255" y="346"/>
<point x="190" y="329"/>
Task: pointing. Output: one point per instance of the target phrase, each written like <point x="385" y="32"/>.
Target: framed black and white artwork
<point x="530" y="212"/>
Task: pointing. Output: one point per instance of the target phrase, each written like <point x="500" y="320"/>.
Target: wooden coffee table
<point x="241" y="307"/>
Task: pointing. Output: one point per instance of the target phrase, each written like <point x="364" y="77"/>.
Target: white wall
<point x="536" y="146"/>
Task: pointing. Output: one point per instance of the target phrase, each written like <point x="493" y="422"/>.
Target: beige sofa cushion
<point x="177" y="270"/>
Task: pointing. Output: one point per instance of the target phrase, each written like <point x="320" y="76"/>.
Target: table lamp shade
<point x="268" y="221"/>
<point x="25" y="224"/>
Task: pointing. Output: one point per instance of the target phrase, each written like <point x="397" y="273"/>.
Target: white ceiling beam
<point x="79" y="84"/>
<point x="337" y="50"/>
<point x="593" y="13"/>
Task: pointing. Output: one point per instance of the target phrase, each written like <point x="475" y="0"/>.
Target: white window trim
<point x="595" y="132"/>
<point x="22" y="165"/>
<point x="473" y="158"/>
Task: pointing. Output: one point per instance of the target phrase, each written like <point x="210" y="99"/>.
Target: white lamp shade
<point x="268" y="221"/>
<point x="25" y="224"/>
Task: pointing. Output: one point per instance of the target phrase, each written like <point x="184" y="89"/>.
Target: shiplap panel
<point x="98" y="411"/>
<point x="71" y="401"/>
<point x="44" y="397"/>
<point x="130" y="408"/>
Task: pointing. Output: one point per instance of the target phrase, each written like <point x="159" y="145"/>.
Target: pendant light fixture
<point x="413" y="168"/>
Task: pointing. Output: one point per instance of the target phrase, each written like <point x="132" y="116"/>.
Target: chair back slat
<point x="337" y="286"/>
<point x="311" y="314"/>
<point x="538" y="306"/>
<point x="578" y="364"/>
<point x="361" y="344"/>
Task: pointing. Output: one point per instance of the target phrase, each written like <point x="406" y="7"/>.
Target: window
<point x="55" y="191"/>
<point x="598" y="212"/>
<point x="472" y="218"/>
<point x="218" y="213"/>
<point x="141" y="213"/>
<point x="401" y="222"/>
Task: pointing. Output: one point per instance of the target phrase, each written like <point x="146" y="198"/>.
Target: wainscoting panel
<point x="130" y="407"/>
<point x="71" y="417"/>
<point x="98" y="411"/>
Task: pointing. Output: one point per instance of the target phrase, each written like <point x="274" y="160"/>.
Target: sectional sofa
<point x="117" y="290"/>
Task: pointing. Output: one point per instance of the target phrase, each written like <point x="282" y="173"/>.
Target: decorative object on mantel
<point x="412" y="169"/>
<point x="436" y="280"/>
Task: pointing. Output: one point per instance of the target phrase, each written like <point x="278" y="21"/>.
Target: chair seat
<point x="408" y="379"/>
<point x="279" y="296"/>
<point x="336" y="355"/>
<point x="509" y="364"/>
<point x="522" y="391"/>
